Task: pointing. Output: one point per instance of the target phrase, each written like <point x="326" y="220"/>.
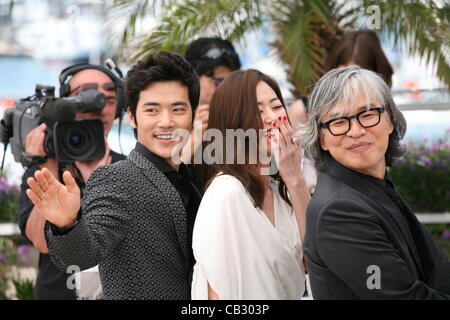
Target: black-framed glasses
<point x="107" y="86"/>
<point x="342" y="125"/>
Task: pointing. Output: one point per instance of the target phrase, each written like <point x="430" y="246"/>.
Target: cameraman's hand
<point x="34" y="145"/>
<point x="87" y="167"/>
<point x="57" y="203"/>
<point x="35" y="141"/>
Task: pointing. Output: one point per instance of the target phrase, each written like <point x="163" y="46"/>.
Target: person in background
<point x="51" y="282"/>
<point x="362" y="239"/>
<point x="362" y="48"/>
<point x="213" y="60"/>
<point x="249" y="229"/>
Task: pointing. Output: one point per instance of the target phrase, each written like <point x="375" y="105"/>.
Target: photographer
<point x="51" y="282"/>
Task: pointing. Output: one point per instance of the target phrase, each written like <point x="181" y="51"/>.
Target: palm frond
<point x="300" y="39"/>
<point x="423" y="27"/>
<point x="133" y="11"/>
<point x="130" y="14"/>
<point x="183" y="22"/>
<point x="304" y="29"/>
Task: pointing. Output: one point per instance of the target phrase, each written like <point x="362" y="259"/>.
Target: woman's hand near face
<point x="288" y="157"/>
<point x="287" y="153"/>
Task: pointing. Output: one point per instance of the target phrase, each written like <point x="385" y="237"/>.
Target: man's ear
<point x="322" y="142"/>
<point x="131" y="117"/>
<point x="391" y="126"/>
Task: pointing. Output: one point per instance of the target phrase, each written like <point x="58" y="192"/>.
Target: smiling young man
<point x="362" y="240"/>
<point x="162" y="108"/>
<point x="137" y="215"/>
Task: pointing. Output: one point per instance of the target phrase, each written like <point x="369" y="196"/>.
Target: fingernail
<point x="284" y="118"/>
<point x="269" y="137"/>
<point x="274" y="124"/>
<point x="279" y="118"/>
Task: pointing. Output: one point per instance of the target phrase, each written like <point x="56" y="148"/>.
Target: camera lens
<point x="77" y="139"/>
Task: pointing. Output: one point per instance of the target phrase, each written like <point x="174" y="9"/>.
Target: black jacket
<point x="353" y="224"/>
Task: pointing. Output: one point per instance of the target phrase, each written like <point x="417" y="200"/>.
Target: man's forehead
<point x="351" y="107"/>
<point x="163" y="100"/>
<point x="89" y="75"/>
<point x="221" y="71"/>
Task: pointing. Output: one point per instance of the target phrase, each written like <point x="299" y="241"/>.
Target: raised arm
<point x="101" y="226"/>
<point x="33" y="223"/>
<point x="288" y="158"/>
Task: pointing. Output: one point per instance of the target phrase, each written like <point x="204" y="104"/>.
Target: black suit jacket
<point x="134" y="227"/>
<point x="353" y="224"/>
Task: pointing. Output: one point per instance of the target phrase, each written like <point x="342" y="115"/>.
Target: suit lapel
<point x="374" y="193"/>
<point x="175" y="205"/>
<point x="197" y="192"/>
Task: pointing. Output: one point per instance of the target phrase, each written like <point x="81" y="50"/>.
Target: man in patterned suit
<point x="137" y="215"/>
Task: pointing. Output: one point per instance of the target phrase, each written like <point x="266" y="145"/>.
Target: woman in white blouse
<point x="248" y="232"/>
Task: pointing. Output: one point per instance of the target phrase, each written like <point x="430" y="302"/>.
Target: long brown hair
<point x="234" y="105"/>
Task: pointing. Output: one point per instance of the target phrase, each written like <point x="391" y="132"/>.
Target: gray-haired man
<point x="362" y="239"/>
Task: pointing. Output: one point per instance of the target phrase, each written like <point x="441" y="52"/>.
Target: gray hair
<point x="344" y="86"/>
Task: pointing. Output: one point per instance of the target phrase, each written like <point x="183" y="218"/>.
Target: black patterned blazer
<point x="134" y="227"/>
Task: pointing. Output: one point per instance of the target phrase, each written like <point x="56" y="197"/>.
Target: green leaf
<point x="304" y="29"/>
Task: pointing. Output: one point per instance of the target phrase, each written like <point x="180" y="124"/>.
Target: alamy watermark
<point x="374" y="20"/>
<point x="73" y="281"/>
<point x="374" y="280"/>
<point x="250" y="147"/>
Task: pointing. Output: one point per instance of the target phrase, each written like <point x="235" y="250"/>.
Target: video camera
<point x="66" y="139"/>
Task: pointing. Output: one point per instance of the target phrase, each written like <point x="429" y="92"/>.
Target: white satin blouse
<point x="239" y="252"/>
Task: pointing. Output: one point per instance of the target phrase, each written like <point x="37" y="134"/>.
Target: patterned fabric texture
<point x="134" y="226"/>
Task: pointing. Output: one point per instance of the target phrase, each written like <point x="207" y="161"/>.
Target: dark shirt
<point x="184" y="183"/>
<point x="387" y="186"/>
<point x="51" y="283"/>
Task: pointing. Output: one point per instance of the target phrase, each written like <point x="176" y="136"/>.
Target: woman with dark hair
<point x="362" y="48"/>
<point x="248" y="233"/>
